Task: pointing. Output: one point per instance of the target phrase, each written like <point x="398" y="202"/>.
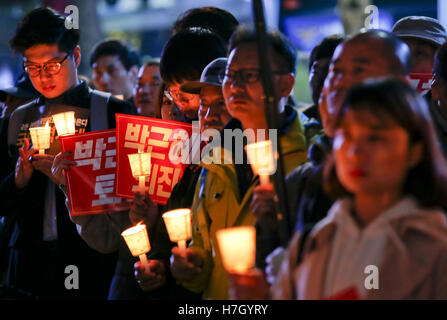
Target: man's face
<point x="52" y="85"/>
<point x="245" y="98"/>
<point x="317" y="74"/>
<point x="213" y="111"/>
<point x="188" y="103"/>
<point x="352" y="63"/>
<point x="146" y="90"/>
<point x="422" y="55"/>
<point x="110" y="75"/>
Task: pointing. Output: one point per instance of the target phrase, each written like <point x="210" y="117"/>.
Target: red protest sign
<point x="170" y="148"/>
<point x="90" y="184"/>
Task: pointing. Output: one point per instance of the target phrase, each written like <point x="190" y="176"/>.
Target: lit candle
<point x="65" y="123"/>
<point x="40" y="136"/>
<point x="140" y="164"/>
<point x="137" y="240"/>
<point x="178" y="224"/>
<point x="261" y="158"/>
<point x="237" y="248"/>
<point x="119" y="96"/>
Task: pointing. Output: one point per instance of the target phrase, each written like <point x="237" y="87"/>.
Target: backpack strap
<point x="99" y="119"/>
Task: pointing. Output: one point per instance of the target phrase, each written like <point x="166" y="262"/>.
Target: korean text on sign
<point x="90" y="184"/>
<point x="164" y="140"/>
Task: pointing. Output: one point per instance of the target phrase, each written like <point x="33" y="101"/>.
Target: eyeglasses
<point x="249" y="75"/>
<point x="178" y="96"/>
<point x="51" y="68"/>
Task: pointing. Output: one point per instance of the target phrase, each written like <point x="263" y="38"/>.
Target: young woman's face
<point x="372" y="155"/>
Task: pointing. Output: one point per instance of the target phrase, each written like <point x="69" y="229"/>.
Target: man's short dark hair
<point x="278" y="41"/>
<point x="215" y="19"/>
<point x="112" y="47"/>
<point x="188" y="52"/>
<point x="440" y="65"/>
<point x="44" y="26"/>
<point x="325" y="49"/>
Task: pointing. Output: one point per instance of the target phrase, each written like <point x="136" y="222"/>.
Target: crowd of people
<point x="366" y="174"/>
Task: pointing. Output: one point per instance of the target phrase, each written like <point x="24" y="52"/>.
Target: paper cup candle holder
<point x="261" y="158"/>
<point x="40" y="136"/>
<point x="137" y="240"/>
<point x="65" y="123"/>
<point x="178" y="224"/>
<point x="237" y="248"/>
<point x="140" y="164"/>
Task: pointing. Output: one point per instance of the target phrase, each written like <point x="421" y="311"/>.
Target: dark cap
<point x="420" y="27"/>
<point x="22" y="89"/>
<point x="211" y="76"/>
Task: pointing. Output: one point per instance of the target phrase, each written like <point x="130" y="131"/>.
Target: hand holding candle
<point x="40" y="137"/>
<point x="140" y="164"/>
<point x="261" y="158"/>
<point x="137" y="240"/>
<point x="178" y="224"/>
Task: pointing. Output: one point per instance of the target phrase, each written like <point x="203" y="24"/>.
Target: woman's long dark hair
<point x="392" y="98"/>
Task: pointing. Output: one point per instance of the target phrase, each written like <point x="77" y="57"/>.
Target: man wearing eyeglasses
<point x="224" y="192"/>
<point x="45" y="241"/>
